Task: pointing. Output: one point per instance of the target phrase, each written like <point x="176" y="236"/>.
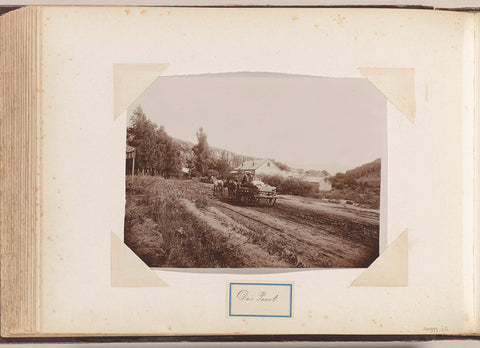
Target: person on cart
<point x="244" y="179"/>
<point x="250" y="179"/>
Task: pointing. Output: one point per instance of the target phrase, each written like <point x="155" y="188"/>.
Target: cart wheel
<point x="272" y="201"/>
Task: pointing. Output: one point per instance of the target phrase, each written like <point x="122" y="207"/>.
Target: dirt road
<point x="296" y="232"/>
<point x="180" y="223"/>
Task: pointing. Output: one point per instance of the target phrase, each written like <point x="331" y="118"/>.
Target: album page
<point x="256" y="171"/>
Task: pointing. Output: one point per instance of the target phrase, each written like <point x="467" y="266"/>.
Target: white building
<point x="323" y="183"/>
<point x="267" y="167"/>
<point x="260" y="167"/>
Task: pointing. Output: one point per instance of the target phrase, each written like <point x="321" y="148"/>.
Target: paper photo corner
<point x="397" y="85"/>
<point x="130" y="81"/>
<point x="390" y="269"/>
<point x="128" y="270"/>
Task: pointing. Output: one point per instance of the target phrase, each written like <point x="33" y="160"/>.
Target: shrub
<point x="291" y="186"/>
<point x="365" y="194"/>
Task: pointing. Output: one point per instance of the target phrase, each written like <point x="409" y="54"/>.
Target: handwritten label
<point x="260" y="300"/>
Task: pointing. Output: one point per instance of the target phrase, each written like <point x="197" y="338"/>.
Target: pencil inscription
<point x="436" y="330"/>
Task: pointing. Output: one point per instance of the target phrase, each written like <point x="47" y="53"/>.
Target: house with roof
<point x="322" y="180"/>
<point x="259" y="167"/>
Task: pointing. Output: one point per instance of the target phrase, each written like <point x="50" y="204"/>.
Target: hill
<point x="186" y="153"/>
<point x="233" y="159"/>
<point x="369" y="172"/>
<point x="360" y="185"/>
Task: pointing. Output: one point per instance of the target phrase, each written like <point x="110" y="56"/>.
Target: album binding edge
<point x="20" y="170"/>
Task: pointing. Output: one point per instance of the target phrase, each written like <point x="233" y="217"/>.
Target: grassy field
<point x="161" y="232"/>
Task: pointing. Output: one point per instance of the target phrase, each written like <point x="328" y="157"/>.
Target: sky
<point x="331" y="124"/>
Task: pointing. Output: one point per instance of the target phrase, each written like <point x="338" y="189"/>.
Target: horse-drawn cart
<point x="254" y="192"/>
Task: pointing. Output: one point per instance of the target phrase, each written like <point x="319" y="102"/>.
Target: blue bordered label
<point x="260" y="300"/>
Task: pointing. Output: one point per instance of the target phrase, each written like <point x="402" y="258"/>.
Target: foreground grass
<point x="163" y="234"/>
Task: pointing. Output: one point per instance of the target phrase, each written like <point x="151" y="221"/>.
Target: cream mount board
<point x="82" y="117"/>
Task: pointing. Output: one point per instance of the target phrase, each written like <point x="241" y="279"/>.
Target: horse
<point x="217" y="185"/>
<point x="232" y="186"/>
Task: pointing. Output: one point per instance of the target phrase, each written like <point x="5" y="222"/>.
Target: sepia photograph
<point x="255" y="170"/>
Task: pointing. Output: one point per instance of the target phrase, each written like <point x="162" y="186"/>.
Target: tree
<point x="201" y="153"/>
<point x="172" y="163"/>
<point x="156" y="151"/>
<point x="222" y="166"/>
<point x="141" y="135"/>
<point x="281" y="165"/>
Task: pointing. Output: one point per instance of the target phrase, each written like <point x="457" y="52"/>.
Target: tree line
<point x="157" y="153"/>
